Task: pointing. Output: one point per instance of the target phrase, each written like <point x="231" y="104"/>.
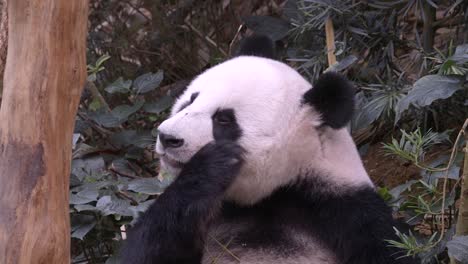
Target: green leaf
<point x="142" y="207"/>
<point x="95" y="104"/>
<point x="384" y="193"/>
<point x="461" y="54"/>
<point x="121" y="166"/>
<point x="81" y="224"/>
<point x="117" y="116"/>
<point x="83" y="197"/>
<point x="149" y="186"/>
<point x="397" y="191"/>
<point x="273" y="27"/>
<point x="119" y="86"/>
<point x="76" y="137"/>
<point x="428" y="89"/>
<point x="102" y="59"/>
<point x="91" y="164"/>
<point x="122" y="112"/>
<point x="148" y="82"/>
<point x="91" y="78"/>
<point x="114" y="259"/>
<point x="127" y="138"/>
<point x="85" y="207"/>
<point x="458" y="248"/>
<point x="160" y="106"/>
<point x="82" y="149"/>
<point x="108" y="205"/>
<point x="84" y="229"/>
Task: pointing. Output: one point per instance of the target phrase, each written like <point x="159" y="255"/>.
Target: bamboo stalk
<point x="330" y="36"/>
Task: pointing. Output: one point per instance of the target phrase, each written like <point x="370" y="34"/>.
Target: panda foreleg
<point x="174" y="228"/>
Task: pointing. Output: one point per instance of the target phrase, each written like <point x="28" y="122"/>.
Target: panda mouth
<point x="172" y="162"/>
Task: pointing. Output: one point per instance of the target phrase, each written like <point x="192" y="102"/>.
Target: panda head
<point x="289" y="130"/>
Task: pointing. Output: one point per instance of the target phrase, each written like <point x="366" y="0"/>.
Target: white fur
<point x="280" y="134"/>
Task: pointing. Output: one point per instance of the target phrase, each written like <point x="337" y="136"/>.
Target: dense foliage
<point x="409" y="60"/>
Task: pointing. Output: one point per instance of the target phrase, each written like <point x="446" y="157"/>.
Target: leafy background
<point x="408" y="59"/>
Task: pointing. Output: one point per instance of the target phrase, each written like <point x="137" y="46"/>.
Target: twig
<point x="225" y="248"/>
<point x="124" y="174"/>
<point x="452" y="158"/>
<point x="236" y="36"/>
<point x="137" y="9"/>
<point x="462" y="220"/>
<point x="206" y="38"/>
<point x="104" y="132"/>
<point x="215" y="259"/>
<point x="125" y="195"/>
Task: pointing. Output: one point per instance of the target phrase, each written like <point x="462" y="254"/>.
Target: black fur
<point x="227" y="130"/>
<point x="333" y="96"/>
<point x="173" y="229"/>
<point x="257" y="45"/>
<point x="352" y="224"/>
<point x="192" y="98"/>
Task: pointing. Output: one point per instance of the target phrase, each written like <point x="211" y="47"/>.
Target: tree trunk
<point x="3" y="40"/>
<point x="44" y="76"/>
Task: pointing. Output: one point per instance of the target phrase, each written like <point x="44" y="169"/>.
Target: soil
<point x="386" y="170"/>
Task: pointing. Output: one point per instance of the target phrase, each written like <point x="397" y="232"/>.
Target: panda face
<point x="288" y="129"/>
<point x="246" y="99"/>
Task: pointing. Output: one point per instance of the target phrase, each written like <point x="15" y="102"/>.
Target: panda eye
<point x="224" y="117"/>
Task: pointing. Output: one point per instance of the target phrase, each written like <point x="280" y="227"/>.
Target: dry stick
<point x="205" y="37"/>
<point x="462" y="221"/>
<point x="236" y="36"/>
<point x="452" y="158"/>
<point x="330" y="36"/>
<point x="225" y="248"/>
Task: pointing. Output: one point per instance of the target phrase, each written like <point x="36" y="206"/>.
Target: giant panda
<point x="266" y="173"/>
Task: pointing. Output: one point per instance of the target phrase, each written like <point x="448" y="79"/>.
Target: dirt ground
<point x="390" y="171"/>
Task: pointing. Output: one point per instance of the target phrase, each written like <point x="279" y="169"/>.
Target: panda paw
<point x="216" y="163"/>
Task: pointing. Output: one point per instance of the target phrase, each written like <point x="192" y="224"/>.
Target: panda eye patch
<point x="193" y="97"/>
<point x="224" y="117"/>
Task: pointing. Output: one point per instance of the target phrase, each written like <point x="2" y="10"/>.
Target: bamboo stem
<point x="330" y="36"/>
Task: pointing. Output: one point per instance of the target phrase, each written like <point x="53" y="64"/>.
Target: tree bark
<point x="3" y="40"/>
<point x="45" y="73"/>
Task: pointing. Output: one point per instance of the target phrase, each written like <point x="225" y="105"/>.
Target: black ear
<point x="333" y="96"/>
<point x="257" y="45"/>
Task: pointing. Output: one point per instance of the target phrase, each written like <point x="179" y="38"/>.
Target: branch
<point x="444" y="190"/>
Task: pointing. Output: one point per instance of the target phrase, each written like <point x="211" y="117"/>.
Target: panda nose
<point x="169" y="141"/>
